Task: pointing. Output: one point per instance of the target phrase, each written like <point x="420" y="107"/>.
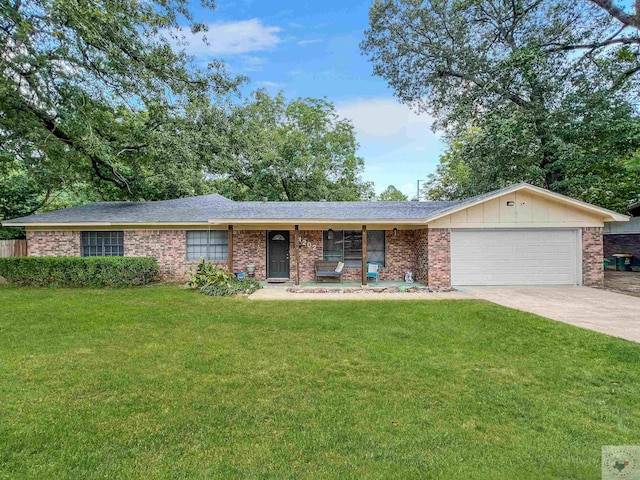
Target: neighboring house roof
<point x="218" y="209"/>
<point x="632" y="227"/>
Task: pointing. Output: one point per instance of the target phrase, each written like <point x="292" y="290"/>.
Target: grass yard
<point x="162" y="382"/>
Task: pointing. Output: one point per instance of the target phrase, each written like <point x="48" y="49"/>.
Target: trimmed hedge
<point x="79" y="271"/>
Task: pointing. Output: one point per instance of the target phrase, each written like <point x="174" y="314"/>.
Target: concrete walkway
<point x="599" y="310"/>
<point x="271" y="293"/>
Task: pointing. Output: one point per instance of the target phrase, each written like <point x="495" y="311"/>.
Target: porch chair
<point x="372" y="271"/>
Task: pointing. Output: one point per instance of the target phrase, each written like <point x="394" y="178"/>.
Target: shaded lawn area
<point x="162" y="382"/>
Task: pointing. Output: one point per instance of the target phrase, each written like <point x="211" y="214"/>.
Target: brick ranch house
<point x="519" y="235"/>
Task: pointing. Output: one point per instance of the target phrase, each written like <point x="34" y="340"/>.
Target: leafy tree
<point x="505" y="82"/>
<point x="290" y="151"/>
<point x="595" y="141"/>
<point x="94" y="93"/>
<point x="623" y="41"/>
<point x="392" y="194"/>
<point x="18" y="196"/>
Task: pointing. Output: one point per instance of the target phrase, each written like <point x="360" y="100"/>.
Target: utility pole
<point x="418" y="188"/>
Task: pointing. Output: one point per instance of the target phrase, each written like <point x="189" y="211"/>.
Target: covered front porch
<point x="279" y="254"/>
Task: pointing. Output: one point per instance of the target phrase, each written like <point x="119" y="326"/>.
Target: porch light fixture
<point x="395" y="232"/>
<point x="330" y="234"/>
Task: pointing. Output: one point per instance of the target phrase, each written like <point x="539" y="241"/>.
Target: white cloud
<point x="384" y="117"/>
<point x="324" y="24"/>
<point x="230" y="38"/>
<point x="309" y="42"/>
<point x="252" y="64"/>
<point x="397" y="144"/>
<point x="268" y="84"/>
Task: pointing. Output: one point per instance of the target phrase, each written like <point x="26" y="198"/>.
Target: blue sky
<point x="310" y="49"/>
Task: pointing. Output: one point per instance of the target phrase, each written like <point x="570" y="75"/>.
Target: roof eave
<point x="305" y="221"/>
<point x="95" y="224"/>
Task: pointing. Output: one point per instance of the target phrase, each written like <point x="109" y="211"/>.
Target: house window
<point x="375" y="247"/>
<point x="352" y="248"/>
<point x="210" y="245"/>
<point x="346" y="246"/>
<point x="102" y="244"/>
<point x="332" y="246"/>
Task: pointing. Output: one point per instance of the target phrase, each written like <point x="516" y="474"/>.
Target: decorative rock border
<point x="365" y="290"/>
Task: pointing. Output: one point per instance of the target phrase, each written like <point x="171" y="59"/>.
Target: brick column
<point x="439" y="258"/>
<point x="400" y="256"/>
<point x="250" y="248"/>
<point x="421" y="242"/>
<point x="592" y="256"/>
<point x="310" y="252"/>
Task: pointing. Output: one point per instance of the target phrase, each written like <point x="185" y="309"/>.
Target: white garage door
<point x="514" y="257"/>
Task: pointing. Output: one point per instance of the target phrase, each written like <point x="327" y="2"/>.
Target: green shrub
<point x="214" y="280"/>
<point x="209" y="274"/>
<point x="233" y="287"/>
<point x="79" y="271"/>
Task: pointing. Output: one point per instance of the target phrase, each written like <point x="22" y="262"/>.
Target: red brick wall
<point x="310" y="252"/>
<point x="169" y="247"/>
<point x="53" y="243"/>
<point x="439" y="258"/>
<point x="592" y="255"/>
<point x="422" y="256"/>
<point x="400" y="256"/>
<point x="250" y="248"/>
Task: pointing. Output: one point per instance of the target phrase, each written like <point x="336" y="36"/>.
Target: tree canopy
<point x="290" y="151"/>
<point x="94" y="92"/>
<point x="100" y="102"/>
<point x="392" y="194"/>
<point x="520" y="88"/>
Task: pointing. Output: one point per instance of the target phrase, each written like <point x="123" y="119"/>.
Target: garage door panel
<point x="514" y="257"/>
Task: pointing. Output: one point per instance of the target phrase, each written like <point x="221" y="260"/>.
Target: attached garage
<point x="515" y="257"/>
<point x="519" y="235"/>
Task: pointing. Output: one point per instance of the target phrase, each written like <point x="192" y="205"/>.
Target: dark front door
<point x="278" y="254"/>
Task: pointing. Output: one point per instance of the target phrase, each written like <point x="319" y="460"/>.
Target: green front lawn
<point x="161" y="382"/>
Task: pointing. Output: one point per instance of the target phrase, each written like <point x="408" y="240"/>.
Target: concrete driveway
<point x="599" y="310"/>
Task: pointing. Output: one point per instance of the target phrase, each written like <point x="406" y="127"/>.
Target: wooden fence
<point x="13" y="248"/>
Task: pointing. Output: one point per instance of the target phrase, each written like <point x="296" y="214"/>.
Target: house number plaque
<point x="303" y="242"/>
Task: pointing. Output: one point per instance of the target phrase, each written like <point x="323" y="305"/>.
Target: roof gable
<point x="601" y="213"/>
